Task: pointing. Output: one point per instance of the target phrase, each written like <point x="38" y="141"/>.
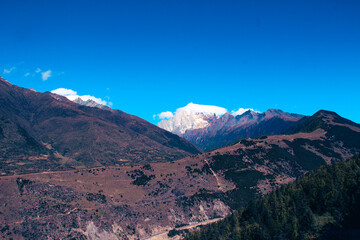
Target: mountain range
<point x="209" y="130"/>
<point x="78" y="172"/>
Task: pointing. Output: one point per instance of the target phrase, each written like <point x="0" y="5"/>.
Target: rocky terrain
<point x="137" y="202"/>
<point x="109" y="202"/>
<point x="45" y="131"/>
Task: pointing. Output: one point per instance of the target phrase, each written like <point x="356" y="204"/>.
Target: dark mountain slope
<point x="323" y="200"/>
<point x="320" y="120"/>
<point x="257" y="166"/>
<point x="70" y="135"/>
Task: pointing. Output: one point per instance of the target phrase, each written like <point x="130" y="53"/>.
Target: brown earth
<point x="106" y="202"/>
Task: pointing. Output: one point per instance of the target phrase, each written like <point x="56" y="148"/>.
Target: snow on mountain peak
<point x="183" y="121"/>
<point x="206" y="109"/>
<point x="193" y="116"/>
<point x="73" y="95"/>
<point x="241" y="111"/>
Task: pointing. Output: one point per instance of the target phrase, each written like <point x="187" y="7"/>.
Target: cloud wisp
<point x="8" y="70"/>
<point x="45" y="75"/>
<point x="163" y="115"/>
<point x="72" y="95"/>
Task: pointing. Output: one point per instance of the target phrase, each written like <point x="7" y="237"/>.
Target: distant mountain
<point x="45" y="131"/>
<point x="90" y="103"/>
<point x="209" y="130"/>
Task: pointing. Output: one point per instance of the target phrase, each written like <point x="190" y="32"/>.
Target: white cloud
<point x="9" y="70"/>
<point x="27" y="74"/>
<point x="64" y="92"/>
<point x="45" y="75"/>
<point x="192" y="107"/>
<point x="165" y="115"/>
<point x="38" y="70"/>
<point x="72" y="95"/>
<point x="197" y="108"/>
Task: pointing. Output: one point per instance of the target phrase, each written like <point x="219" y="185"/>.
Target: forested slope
<point x="322" y="204"/>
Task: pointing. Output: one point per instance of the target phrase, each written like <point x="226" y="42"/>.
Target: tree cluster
<point x="322" y="200"/>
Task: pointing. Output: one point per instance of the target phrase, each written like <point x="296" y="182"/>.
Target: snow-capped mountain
<point x="192" y="116"/>
<point x="196" y="116"/>
<point x="90" y="103"/>
<point x="211" y="127"/>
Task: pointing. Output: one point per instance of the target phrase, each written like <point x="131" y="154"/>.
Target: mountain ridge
<point x="210" y="131"/>
<point x="73" y="135"/>
<point x="308" y="124"/>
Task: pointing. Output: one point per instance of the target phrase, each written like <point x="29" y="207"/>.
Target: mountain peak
<point x="274" y="110"/>
<point x="185" y="120"/>
<point x="322" y="113"/>
<point x="323" y="119"/>
<point x="90" y="103"/>
<point x="248" y="112"/>
<point x="241" y="111"/>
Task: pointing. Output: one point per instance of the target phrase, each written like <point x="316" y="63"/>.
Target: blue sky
<point x="147" y="57"/>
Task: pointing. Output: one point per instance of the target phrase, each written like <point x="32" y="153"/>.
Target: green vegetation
<point x="174" y="232"/>
<point x="309" y="124"/>
<point x="96" y="197"/>
<point x="21" y="183"/>
<point x="262" y="137"/>
<point x="141" y="179"/>
<point x="350" y="138"/>
<point x="305" y="158"/>
<point x="317" y="205"/>
<point x="147" y="167"/>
